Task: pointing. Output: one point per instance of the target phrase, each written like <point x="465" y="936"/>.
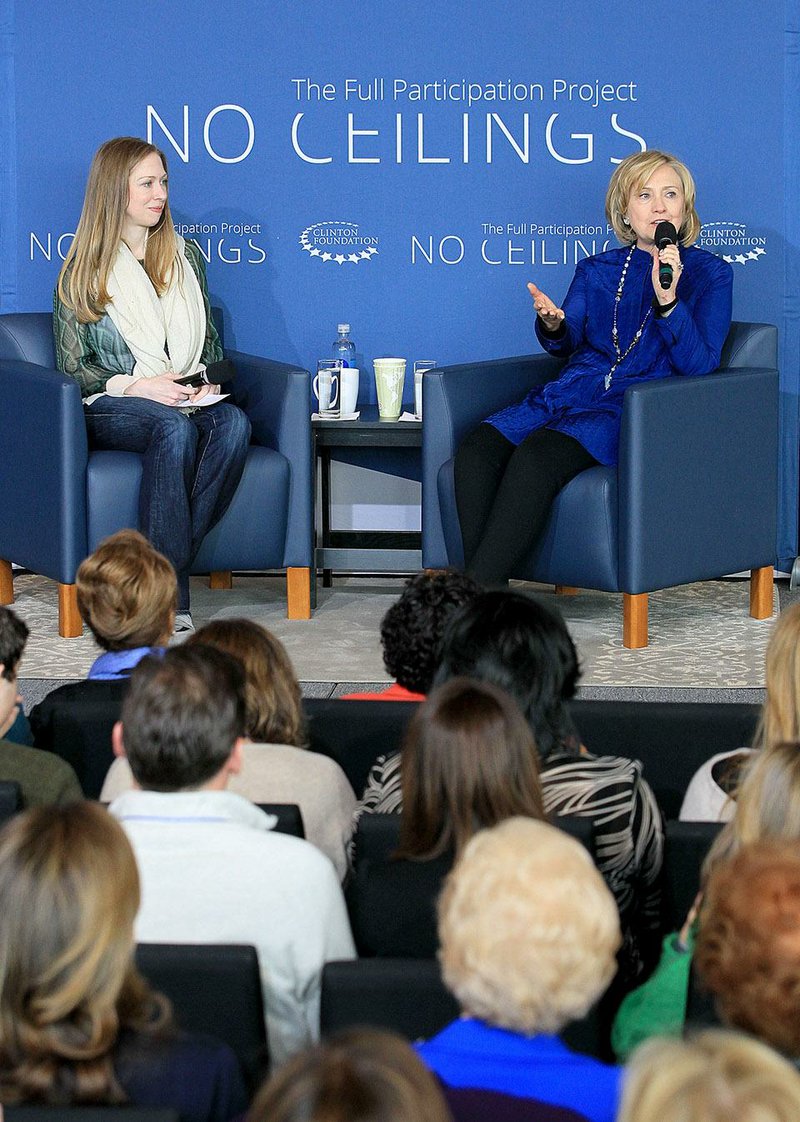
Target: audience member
<point x="716" y="1076"/>
<point x="77" y="1022"/>
<point x="127" y="593"/>
<point x="276" y="768"/>
<point x="748" y="943"/>
<point x="213" y="870"/>
<point x="711" y="794"/>
<point x="412" y="629"/>
<point x="767" y="807"/>
<point x="528" y="934"/>
<point x="469" y="761"/>
<point x="517" y="643"/>
<point x="358" y="1075"/>
<point x="42" y="777"/>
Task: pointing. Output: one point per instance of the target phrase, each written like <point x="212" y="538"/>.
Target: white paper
<point x="209" y="399"/>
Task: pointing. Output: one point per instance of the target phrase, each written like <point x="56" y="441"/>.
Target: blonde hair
<point x="767" y="804"/>
<point x="273" y="699"/>
<point x="127" y="592"/>
<point x="83" y="280"/>
<point x="631" y="175"/>
<point x="780" y="716"/>
<point x="528" y="928"/>
<point x="716" y="1076"/>
<point x="69" y="893"/>
<point x="356" y="1075"/>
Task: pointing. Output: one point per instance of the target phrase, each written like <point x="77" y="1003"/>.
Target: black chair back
<point x="685" y="847"/>
<point x="672" y="739"/>
<point x="290" y="819"/>
<point x="75" y="722"/>
<point x="355" y="733"/>
<point x="378" y="835"/>
<point x="214" y="989"/>
<point x="10" y="800"/>
<point x="408" y="996"/>
<point x="89" y="1114"/>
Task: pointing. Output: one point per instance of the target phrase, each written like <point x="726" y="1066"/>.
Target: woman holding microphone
<point x="632" y="314"/>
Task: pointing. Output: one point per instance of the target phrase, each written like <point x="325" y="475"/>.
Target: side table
<point x="381" y="554"/>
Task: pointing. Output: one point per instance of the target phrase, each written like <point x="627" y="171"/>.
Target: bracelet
<point x="662" y="309"/>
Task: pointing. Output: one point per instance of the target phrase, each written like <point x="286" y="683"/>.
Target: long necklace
<point x="615" y="333"/>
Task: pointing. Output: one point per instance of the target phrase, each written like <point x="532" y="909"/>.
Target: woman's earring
<point x="626" y="220"/>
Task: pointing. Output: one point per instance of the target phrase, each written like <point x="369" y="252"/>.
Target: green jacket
<point x="43" y="777"/>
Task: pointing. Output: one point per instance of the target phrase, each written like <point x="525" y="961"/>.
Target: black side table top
<point x="368" y="432"/>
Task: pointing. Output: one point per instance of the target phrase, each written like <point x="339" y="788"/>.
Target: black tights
<point x="504" y="494"/>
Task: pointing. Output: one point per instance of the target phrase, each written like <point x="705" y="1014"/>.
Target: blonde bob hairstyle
<point x="767" y="804"/>
<point x="83" y="280"/>
<point x="127" y="593"/>
<point x="356" y="1075"/>
<point x="780" y="717"/>
<point x="273" y="699"/>
<point x="715" y="1076"/>
<point x="631" y="175"/>
<point x="69" y="893"/>
<point x="527" y="927"/>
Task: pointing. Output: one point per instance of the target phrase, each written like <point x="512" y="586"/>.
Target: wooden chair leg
<point x="761" y="581"/>
<point x="298" y="593"/>
<point x="70" y="624"/>
<point x="634" y="620"/>
<point x="6" y="583"/>
<point x="222" y="580"/>
<point x="566" y="590"/>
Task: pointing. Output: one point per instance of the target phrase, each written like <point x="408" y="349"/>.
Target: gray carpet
<point x="703" y="643"/>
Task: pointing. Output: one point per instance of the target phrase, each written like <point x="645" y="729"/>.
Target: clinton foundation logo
<point x="732" y="242"/>
<point x="338" y="242"/>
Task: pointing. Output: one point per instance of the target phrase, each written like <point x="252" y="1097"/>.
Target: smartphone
<point x="194" y="380"/>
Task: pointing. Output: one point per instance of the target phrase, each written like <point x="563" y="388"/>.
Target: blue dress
<point x="688" y="341"/>
<point x="471" y="1053"/>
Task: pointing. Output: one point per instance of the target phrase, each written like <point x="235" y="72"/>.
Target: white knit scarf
<point x="162" y="332"/>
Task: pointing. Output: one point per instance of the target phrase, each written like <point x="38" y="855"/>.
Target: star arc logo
<point x="338" y="241"/>
<point x="732" y="242"/>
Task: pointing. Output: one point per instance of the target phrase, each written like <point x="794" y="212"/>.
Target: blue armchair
<point x="694" y="495"/>
<point x="58" y="500"/>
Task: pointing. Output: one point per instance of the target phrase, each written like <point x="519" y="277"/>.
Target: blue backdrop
<point x="408" y="167"/>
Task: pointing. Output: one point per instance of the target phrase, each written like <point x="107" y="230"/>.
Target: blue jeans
<point x="191" y="466"/>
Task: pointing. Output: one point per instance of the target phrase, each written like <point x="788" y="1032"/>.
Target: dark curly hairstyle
<point x="516" y="642"/>
<point x="13" y="636"/>
<point x="411" y="630"/>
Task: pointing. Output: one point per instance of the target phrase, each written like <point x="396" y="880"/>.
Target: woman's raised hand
<point x="546" y="310"/>
<point x="163" y="389"/>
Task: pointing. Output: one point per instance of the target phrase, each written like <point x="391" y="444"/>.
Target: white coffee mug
<point x="419" y="369"/>
<point x="348" y="390"/>
<point x="326" y="385"/>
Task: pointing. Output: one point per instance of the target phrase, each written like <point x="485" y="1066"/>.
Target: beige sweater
<point x="279" y="773"/>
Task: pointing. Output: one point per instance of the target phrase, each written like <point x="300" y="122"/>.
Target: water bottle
<point x="344" y="349"/>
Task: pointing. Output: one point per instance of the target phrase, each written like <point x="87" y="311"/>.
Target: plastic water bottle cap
<point x="343" y="328"/>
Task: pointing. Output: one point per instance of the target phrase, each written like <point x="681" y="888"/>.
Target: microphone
<point x="665" y="234"/>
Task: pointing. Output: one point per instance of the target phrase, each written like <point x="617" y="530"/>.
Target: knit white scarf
<point x="162" y="332"/>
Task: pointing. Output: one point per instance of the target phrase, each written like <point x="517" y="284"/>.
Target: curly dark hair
<point x="13" y="636"/>
<point x="412" y="629"/>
